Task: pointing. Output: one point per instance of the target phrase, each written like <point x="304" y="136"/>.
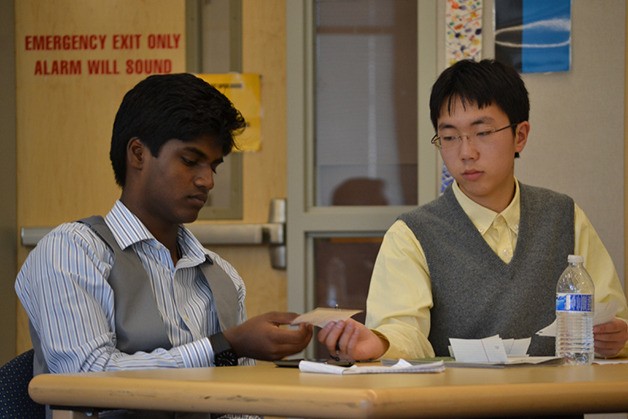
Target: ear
<point x="521" y="136"/>
<point x="135" y="150"/>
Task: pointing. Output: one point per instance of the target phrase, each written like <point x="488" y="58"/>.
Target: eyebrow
<point x="202" y="155"/>
<point x="479" y="121"/>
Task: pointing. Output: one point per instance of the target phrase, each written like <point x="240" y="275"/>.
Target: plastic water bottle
<point x="574" y="313"/>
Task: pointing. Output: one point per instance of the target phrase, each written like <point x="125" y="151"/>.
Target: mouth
<point x="198" y="200"/>
<point x="471" y="174"/>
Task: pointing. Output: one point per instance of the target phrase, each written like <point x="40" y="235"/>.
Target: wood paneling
<point x="626" y="165"/>
<point x="64" y="121"/>
<point x="263" y="51"/>
<point x="8" y="192"/>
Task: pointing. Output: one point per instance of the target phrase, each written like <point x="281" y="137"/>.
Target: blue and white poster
<point x="534" y="36"/>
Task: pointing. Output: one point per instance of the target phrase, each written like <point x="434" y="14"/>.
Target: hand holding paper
<point x="604" y="312"/>
<point x="321" y="316"/>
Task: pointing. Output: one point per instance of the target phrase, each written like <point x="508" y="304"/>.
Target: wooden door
<point x="64" y="120"/>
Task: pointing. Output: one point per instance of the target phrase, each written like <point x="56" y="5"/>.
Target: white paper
<point x="494" y="351"/>
<point x="490" y="349"/>
<point x="321" y="316"/>
<point x="603" y="361"/>
<point x="402" y="366"/>
<point x="604" y="312"/>
<point x="516" y="347"/>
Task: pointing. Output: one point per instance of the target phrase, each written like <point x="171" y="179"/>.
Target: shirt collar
<point x="126" y="227"/>
<point x="128" y="230"/>
<point x="482" y="217"/>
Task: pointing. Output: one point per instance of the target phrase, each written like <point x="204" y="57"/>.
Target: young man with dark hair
<point x="484" y="258"/>
<point x="136" y="289"/>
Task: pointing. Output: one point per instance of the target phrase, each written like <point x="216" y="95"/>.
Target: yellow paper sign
<point x="244" y="91"/>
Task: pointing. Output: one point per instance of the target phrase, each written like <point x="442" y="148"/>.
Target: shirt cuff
<point x="383" y="338"/>
<point x="195" y="354"/>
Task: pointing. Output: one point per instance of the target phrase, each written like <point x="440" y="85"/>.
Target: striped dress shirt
<point x="64" y="289"/>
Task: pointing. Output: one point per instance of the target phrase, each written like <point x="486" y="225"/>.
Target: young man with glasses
<point x="483" y="258"/>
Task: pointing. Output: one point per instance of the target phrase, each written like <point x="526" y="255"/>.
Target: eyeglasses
<point x="445" y="142"/>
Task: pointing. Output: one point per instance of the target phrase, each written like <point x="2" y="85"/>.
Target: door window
<point x="366" y="102"/>
<point x="359" y="154"/>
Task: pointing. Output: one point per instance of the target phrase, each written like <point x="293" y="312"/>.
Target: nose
<point x="204" y="179"/>
<point x="467" y="150"/>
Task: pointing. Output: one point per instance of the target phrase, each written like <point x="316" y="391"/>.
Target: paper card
<point x="489" y="349"/>
<point x="604" y="312"/>
<point x="321" y="316"/>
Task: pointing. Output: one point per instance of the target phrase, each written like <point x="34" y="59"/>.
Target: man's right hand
<point x="261" y="337"/>
<point x="351" y="340"/>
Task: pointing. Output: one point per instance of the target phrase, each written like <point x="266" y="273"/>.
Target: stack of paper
<point x="401" y="366"/>
<point x="495" y="351"/>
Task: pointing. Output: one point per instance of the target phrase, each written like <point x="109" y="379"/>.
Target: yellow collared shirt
<point x="400" y="298"/>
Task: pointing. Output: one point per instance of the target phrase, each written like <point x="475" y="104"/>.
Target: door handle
<point x="272" y="233"/>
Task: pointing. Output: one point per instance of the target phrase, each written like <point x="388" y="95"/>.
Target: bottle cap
<point x="575" y="259"/>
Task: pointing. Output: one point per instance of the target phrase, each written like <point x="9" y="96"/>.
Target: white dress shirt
<point x="64" y="290"/>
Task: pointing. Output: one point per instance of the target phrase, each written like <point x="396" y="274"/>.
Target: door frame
<point x="8" y="185"/>
<point x="306" y="221"/>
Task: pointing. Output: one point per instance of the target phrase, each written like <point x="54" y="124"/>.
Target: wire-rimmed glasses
<point x="445" y="142"/>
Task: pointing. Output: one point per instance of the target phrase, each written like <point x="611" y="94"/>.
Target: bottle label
<point x="574" y="302"/>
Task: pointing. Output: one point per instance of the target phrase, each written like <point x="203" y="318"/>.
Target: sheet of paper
<point x="490" y="349"/>
<point x="603" y="361"/>
<point x="494" y="351"/>
<point x="604" y="312"/>
<point x="516" y="347"/>
<point x="511" y="362"/>
<point x="402" y="366"/>
<point x="321" y="316"/>
<point x="517" y="360"/>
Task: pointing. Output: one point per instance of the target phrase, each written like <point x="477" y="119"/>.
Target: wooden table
<point x="269" y="390"/>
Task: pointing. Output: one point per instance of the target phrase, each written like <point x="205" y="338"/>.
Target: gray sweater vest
<point x="139" y="326"/>
<point x="476" y="294"/>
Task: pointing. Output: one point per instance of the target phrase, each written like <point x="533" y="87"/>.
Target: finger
<point x="343" y="342"/>
<point x="279" y="317"/>
<point x="278" y="350"/>
<point x="608" y="344"/>
<point x="614" y="331"/>
<point x="352" y="343"/>
<point x="607" y="351"/>
<point x="324" y="332"/>
<point x="609" y="327"/>
<point x="331" y="342"/>
<point x="607" y="337"/>
<point x="293" y="336"/>
<point x="606" y="347"/>
<point x="301" y="339"/>
<point x="615" y="325"/>
<point x="306" y="332"/>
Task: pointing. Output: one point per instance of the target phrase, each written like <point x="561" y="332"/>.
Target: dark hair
<point x="483" y="83"/>
<point x="172" y="106"/>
